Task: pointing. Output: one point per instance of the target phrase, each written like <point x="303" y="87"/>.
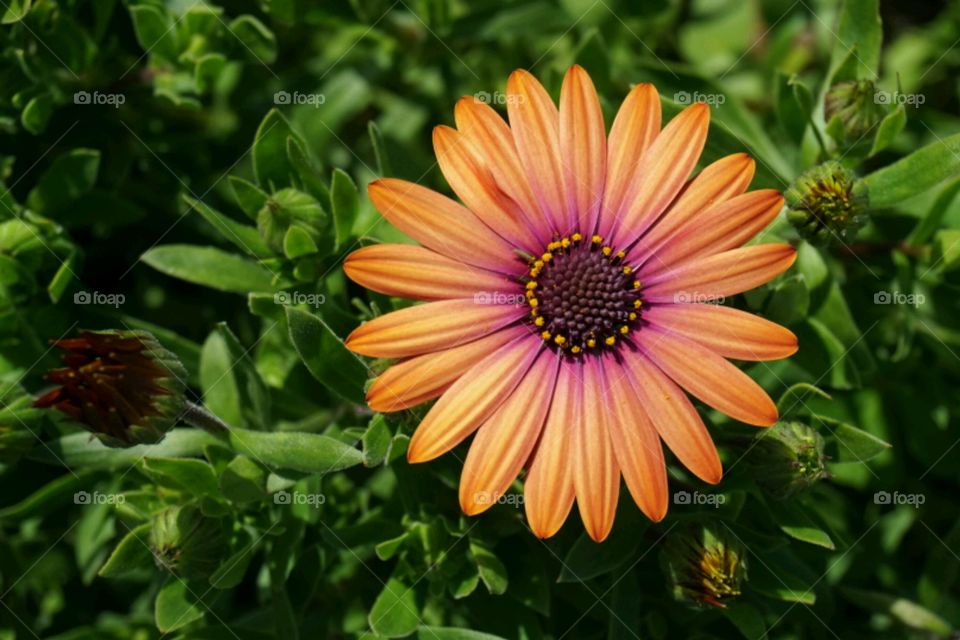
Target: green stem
<point x="196" y="415"/>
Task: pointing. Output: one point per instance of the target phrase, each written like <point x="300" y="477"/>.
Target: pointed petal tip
<point x="598" y="533"/>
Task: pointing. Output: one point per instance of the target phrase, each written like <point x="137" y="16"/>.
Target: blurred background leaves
<point x="198" y="170"/>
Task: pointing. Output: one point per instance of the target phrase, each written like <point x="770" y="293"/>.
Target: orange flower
<point x="565" y="306"/>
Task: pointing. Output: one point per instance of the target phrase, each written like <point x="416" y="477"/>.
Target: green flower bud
<point x="787" y="459"/>
<point x="705" y="564"/>
<point x="824" y="206"/>
<point x="121" y="385"/>
<point x="292" y="222"/>
<point x="187" y="543"/>
<point x="854" y="104"/>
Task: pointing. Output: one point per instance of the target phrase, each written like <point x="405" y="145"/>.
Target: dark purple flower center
<point x="582" y="296"/>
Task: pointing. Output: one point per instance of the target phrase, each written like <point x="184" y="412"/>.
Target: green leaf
<point x="587" y="559"/>
<point x="209" y="267"/>
<point x="796" y="396"/>
<point x="309" y="176"/>
<point x="249" y="196"/>
<point x="217" y="382"/>
<point x="176" y="606"/>
<point x="376" y="442"/>
<point x="155" y="31"/>
<point x="851" y="444"/>
<point x="50" y="496"/>
<point x="345" y="203"/>
<point x="194" y="476"/>
<point x="453" y="633"/>
<point x="890" y="127"/>
<point x="256" y="39"/>
<point x="379" y="149"/>
<point x="71" y="175"/>
<point x="913" y="174"/>
<point x="36" y="114"/>
<point x="297" y="242"/>
<point x="395" y="612"/>
<point x="245" y="237"/>
<point x="270" y="163"/>
<point x="859" y="34"/>
<point x="131" y="554"/>
<point x="80" y="450"/>
<point x="946" y="249"/>
<point x="794" y="522"/>
<point x="493" y="573"/>
<point x="747" y="619"/>
<point x="253" y="394"/>
<point x="229" y="574"/>
<point x="325" y="355"/>
<point x="15" y="11"/>
<point x="930" y="222"/>
<point x="243" y="481"/>
<point x="306" y="452"/>
<point x="905" y="611"/>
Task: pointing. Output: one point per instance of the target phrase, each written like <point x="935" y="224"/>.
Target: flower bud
<point x="291" y="209"/>
<point x="854" y="103"/>
<point x="705" y="564"/>
<point x="121" y="385"/>
<point x="186" y="542"/>
<point x="787" y="459"/>
<point x="823" y="205"/>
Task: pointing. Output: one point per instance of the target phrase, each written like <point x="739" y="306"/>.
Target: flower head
<point x="824" y="205"/>
<point x="787" y="459"/>
<point x="706" y="565"/>
<point x="854" y="103"/>
<point x="552" y="327"/>
<point x="121" y="385"/>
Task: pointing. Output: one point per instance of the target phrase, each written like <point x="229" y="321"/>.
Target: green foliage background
<point x="139" y="142"/>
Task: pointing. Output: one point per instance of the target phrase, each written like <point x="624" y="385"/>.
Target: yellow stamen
<point x="627" y="270"/>
<point x="553" y="246"/>
<point x="624" y="330"/>
<point x="636" y="284"/>
<point x="565" y="243"/>
<point x="547" y="257"/>
<point x="637" y="303"/>
<point x="533" y="302"/>
<point x="532" y="284"/>
<point x="621" y="254"/>
<point x="591" y="343"/>
<point x="610" y="341"/>
<point x="539" y="321"/>
<point x="576" y="237"/>
<point x="575" y="349"/>
<point x="545" y="335"/>
<point x="632" y="316"/>
<point x="560" y="340"/>
<point x="607" y="251"/>
<point x="597" y="239"/>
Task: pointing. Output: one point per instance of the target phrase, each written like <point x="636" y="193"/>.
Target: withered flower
<point x="121" y="385"/>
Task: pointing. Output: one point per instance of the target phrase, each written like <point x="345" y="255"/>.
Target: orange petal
<point x="664" y="170"/>
<point x="721" y="227"/>
<point x="596" y="475"/>
<point x="439" y="223"/>
<point x="636" y="444"/>
<point x="730" y="332"/>
<point x="426" y="377"/>
<point x="472" y="399"/>
<point x="583" y="142"/>
<point x="723" y="179"/>
<point x="674" y="417"/>
<point x="506" y="439"/>
<point x="473" y="182"/>
<point x="414" y="272"/>
<point x="535" y="123"/>
<point x="709" y="377"/>
<point x="719" y="275"/>
<point x="430" y="327"/>
<point x="493" y="141"/>
<point x="634" y="130"/>
<point x="548" y="489"/>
